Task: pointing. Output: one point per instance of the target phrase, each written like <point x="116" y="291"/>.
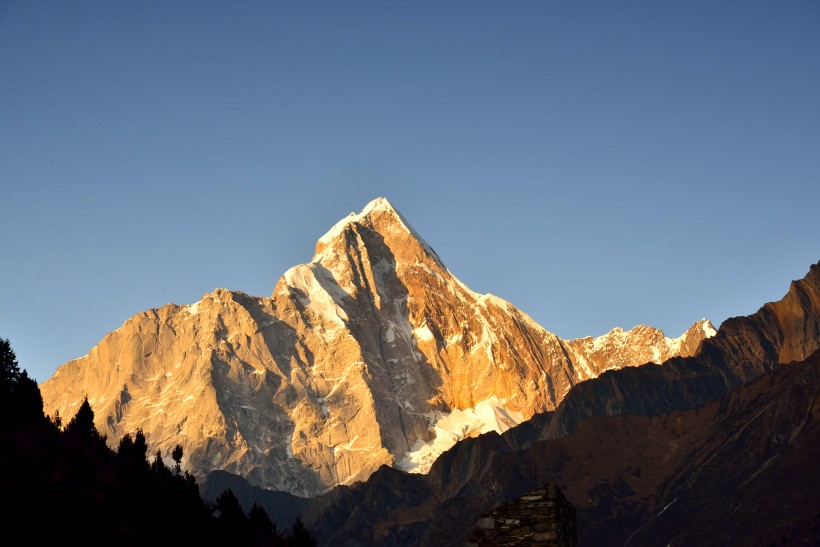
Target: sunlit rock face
<point x="371" y="354"/>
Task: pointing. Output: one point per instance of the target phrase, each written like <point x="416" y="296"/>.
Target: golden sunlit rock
<point x="371" y="354"/>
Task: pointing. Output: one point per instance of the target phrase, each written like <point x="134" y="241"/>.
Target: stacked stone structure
<point x="542" y="517"/>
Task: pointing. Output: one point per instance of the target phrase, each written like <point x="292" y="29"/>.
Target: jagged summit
<point x="702" y="324"/>
<point x="708" y="328"/>
<point x="380" y="216"/>
<point x="380" y="205"/>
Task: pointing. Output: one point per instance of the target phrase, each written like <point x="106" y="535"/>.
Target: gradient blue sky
<point x="597" y="164"/>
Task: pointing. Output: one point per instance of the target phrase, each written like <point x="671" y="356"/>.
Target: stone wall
<point x="541" y="517"/>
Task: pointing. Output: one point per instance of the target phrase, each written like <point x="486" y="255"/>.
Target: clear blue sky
<point x="597" y="164"/>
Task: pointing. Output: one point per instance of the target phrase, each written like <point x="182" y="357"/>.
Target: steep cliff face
<point x="371" y="354"/>
<point x="710" y="449"/>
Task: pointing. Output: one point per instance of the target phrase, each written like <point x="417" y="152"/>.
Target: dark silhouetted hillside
<point x="65" y="485"/>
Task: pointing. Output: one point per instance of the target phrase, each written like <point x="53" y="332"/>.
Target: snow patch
<point x="423" y="333"/>
<point x="488" y="415"/>
<point x="349" y="446"/>
<point x="616" y="335"/>
<point x="322" y="294"/>
<point x="583" y="364"/>
<point x="493" y="299"/>
<point x="675" y="344"/>
<point x="708" y="330"/>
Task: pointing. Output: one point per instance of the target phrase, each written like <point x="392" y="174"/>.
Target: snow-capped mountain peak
<point x="373" y="353"/>
<point x="381" y="217"/>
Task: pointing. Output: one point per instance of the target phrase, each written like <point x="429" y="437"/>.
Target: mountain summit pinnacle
<point x="379" y="216"/>
<point x="378" y="205"/>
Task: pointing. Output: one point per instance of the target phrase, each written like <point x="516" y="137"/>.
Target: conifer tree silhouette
<point x="9" y="378"/>
<point x="158" y="466"/>
<point x="126" y="446"/>
<point x="140" y="445"/>
<point x="177" y="457"/>
<point x="21" y="403"/>
<point x="300" y="536"/>
<point x="9" y="368"/>
<point x="263" y="530"/>
<point x="133" y="502"/>
<point x="82" y="424"/>
<point x="232" y="524"/>
<point x="28" y="402"/>
<point x="228" y="506"/>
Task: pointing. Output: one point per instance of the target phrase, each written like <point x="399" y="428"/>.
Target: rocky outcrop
<point x="372" y="354"/>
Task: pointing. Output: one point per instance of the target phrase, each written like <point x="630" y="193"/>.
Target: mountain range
<point x="372" y="354"/>
<point x="378" y="398"/>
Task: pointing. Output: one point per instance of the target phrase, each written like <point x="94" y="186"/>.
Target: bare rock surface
<point x="372" y="354"/>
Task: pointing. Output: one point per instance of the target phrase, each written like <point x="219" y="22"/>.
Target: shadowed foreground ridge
<point x="631" y="446"/>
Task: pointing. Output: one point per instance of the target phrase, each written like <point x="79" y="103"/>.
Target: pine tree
<point x="263" y="530"/>
<point x="232" y="526"/>
<point x="140" y="445"/>
<point x="158" y="466"/>
<point x="9" y="377"/>
<point x="299" y="535"/>
<point x="82" y="424"/>
<point x="259" y="519"/>
<point x="177" y="457"/>
<point x="57" y="420"/>
<point x="228" y="506"/>
<point x="9" y="368"/>
<point x="21" y="404"/>
<point x="133" y="450"/>
<point x="28" y="401"/>
<point x="126" y="446"/>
